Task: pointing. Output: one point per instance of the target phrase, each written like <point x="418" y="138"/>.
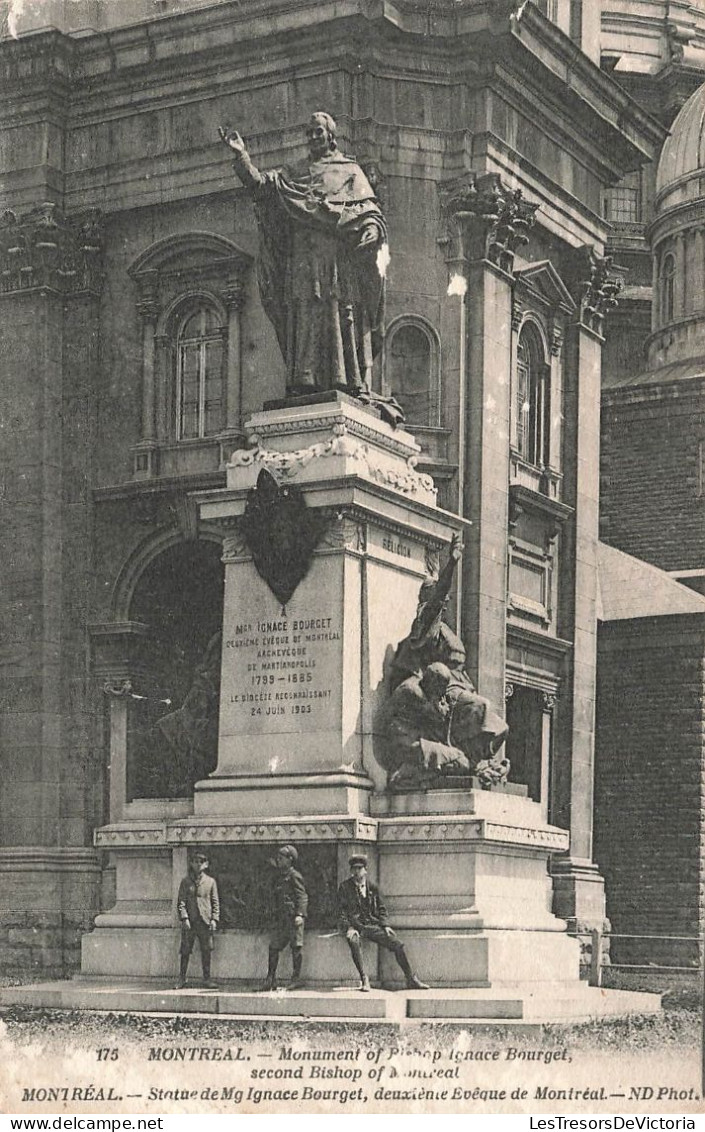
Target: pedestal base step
<point x="500" y="1005"/>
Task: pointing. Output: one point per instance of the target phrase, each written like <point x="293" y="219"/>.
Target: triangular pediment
<point x="542" y="280"/>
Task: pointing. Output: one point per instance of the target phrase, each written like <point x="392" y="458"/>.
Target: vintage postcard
<point x="352" y="480"/>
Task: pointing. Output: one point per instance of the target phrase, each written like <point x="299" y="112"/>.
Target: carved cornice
<point x="484" y="219"/>
<point x="44" y="249"/>
<point x="334" y="422"/>
<point x="187" y="831"/>
<point x="598" y="285"/>
<point x="287" y="465"/>
<point x="297" y="829"/>
<point x="148" y="835"/>
<point x="455" y="829"/>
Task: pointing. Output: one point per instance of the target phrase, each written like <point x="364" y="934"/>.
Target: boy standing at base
<point x="289" y="904"/>
<point x="198" y="908"/>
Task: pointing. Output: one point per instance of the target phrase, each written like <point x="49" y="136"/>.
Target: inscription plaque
<point x="282" y="671"/>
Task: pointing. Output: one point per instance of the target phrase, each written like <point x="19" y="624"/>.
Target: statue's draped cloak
<point x="323" y="294"/>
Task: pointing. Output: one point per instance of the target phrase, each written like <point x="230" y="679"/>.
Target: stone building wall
<point x="650" y="783"/>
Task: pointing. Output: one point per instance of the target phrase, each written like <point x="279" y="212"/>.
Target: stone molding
<point x="348" y="529"/>
<point x="426" y="828"/>
<point x="43" y="250"/>
<point x="450" y="829"/>
<point x="149" y="835"/>
<point x="172" y="834"/>
<point x="346" y="417"/>
<point x="40" y="858"/>
<point x="554" y="839"/>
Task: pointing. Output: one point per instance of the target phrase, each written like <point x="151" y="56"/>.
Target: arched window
<point x="668" y="287"/>
<point x="199" y="374"/>
<point x="411" y="374"/>
<point x="532" y="400"/>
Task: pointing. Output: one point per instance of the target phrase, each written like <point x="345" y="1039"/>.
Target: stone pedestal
<point x="301" y="684"/>
<point x="463" y="871"/>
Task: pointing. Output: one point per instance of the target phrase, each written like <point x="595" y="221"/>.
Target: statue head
<point x="427" y="590"/>
<point x="435" y="680"/>
<point x="320" y="134"/>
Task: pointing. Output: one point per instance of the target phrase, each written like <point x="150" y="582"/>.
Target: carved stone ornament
<point x="485" y="219"/>
<point x="45" y="249"/>
<point x="281" y="532"/>
<point x="235" y="546"/>
<point x="599" y="286"/>
<point x="344" y="533"/>
<point x="287" y="465"/>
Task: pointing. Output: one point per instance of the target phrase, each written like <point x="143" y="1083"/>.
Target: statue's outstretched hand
<point x="456" y="547"/>
<point x="232" y="139"/>
<point x="368" y="236"/>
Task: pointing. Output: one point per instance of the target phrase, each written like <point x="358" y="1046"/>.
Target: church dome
<point x="681" y="169"/>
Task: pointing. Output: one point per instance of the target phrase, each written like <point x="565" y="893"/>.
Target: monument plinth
<point x="302" y="679"/>
<point x="332" y="542"/>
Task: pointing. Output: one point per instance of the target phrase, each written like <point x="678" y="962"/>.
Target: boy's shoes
<point x="180" y="985"/>
<point x="415" y="984"/>
<point x="210" y="984"/>
<point x="269" y="985"/>
<point x="364" y="983"/>
<point x="295" y="984"/>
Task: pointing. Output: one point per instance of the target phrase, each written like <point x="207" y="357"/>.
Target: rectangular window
<point x="188" y="409"/>
<point x="622" y="203"/>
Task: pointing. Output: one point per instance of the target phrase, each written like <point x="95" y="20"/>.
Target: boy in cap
<point x="362" y="914"/>
<point x="198" y="908"/>
<point x="289" y="904"/>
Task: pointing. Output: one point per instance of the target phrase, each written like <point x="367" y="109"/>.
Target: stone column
<point x="488" y="222"/>
<point x="232" y="435"/>
<point x="548" y="703"/>
<point x="234" y="295"/>
<point x="119" y="707"/>
<point x="148" y="308"/>
<point x="683" y="283"/>
<point x="51" y="279"/>
<point x="578" y="889"/>
<point x="698" y="286"/>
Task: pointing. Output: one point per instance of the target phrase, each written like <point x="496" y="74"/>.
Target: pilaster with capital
<point x="597" y="287"/>
<point x="148" y="310"/>
<point x="580" y="892"/>
<point x="234" y="297"/>
<point x="484" y="223"/>
<point x="485" y="219"/>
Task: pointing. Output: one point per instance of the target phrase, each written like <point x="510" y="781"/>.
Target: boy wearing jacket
<point x="198" y="908"/>
<point x="289" y="904"/>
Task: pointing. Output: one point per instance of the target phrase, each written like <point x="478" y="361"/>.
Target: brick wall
<point x="650" y="782"/>
<point x="652" y="503"/>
